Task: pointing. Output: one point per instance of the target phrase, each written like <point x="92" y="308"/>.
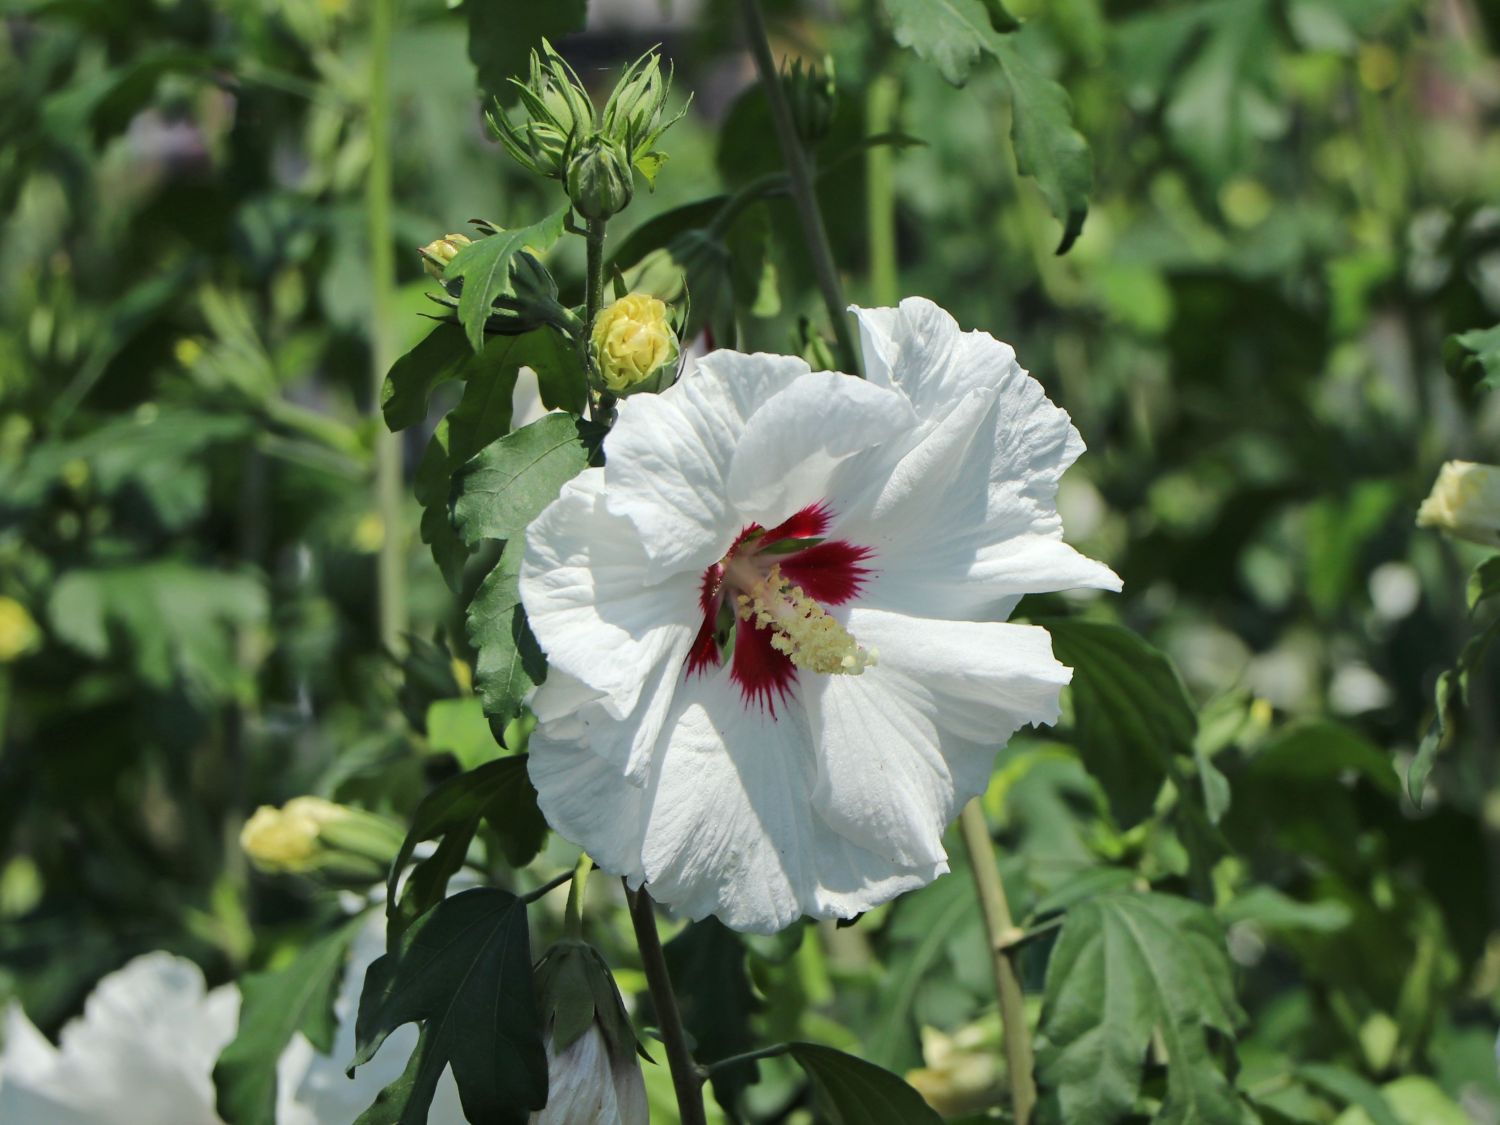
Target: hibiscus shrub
<point x="656" y="653"/>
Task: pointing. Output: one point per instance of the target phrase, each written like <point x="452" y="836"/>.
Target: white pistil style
<point x="801" y="628"/>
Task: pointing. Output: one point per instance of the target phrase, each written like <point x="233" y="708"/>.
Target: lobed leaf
<point x="484" y="268"/>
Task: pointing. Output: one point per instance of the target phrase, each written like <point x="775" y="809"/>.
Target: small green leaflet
<point x="510" y="662"/>
<point x="275" y="1005"/>
<point x="464" y="970"/>
<point x="953" y="35"/>
<point x="850" y="1091"/>
<point x="508" y="483"/>
<point x="1126" y="965"/>
<point x="1474" y="357"/>
<point x="498" y="791"/>
<point x="1048" y="148"/>
<point x="484" y="267"/>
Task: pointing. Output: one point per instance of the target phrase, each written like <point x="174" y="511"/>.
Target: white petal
<point x="919" y="349"/>
<point x="668" y="455"/>
<point x="902" y="746"/>
<point x="794" y="443"/>
<point x="582" y="1088"/>
<point x="605" y="614"/>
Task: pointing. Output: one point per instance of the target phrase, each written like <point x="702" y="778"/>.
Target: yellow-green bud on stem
<point x="600" y="181"/>
<point x="437" y="254"/>
<point x="1465" y="502"/>
<point x="18" y="630"/>
<point x="634" y="347"/>
<point x="311" y="836"/>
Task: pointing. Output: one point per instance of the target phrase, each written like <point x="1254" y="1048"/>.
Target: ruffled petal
<point x="902" y="746"/>
<point x="600" y="609"/>
<point x="668" y="456"/>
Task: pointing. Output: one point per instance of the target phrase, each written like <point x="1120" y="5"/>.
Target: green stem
<point x="1003" y="935"/>
<point x="548" y="887"/>
<point x="390" y="573"/>
<point x="687" y="1079"/>
<point x="799" y="173"/>
<point x="573" y="912"/>
<point x="880" y="189"/>
<point x="774" y="1051"/>
<point x="601" y="402"/>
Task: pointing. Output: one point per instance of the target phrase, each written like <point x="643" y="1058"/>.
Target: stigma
<point x="800" y="628"/>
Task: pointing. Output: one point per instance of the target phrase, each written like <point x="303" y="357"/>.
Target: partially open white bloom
<point x="775" y="619"/>
<point x="1465" y="502"/>
<point x="145" y="1046"/>
<point x="587" y="1082"/>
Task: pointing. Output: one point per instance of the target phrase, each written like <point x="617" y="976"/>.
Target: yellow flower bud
<point x="438" y="253"/>
<point x="634" y="346"/>
<point x="18" y="631"/>
<point x="1465" y="502"/>
<point x="286" y="839"/>
<point x="310" y="836"/>
<point x="962" y="1074"/>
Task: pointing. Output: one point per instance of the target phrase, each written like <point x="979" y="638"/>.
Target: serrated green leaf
<point x="433" y="484"/>
<point x="850" y="1091"/>
<point x="508" y="483"/>
<point x="484" y="268"/>
<point x="1131" y="714"/>
<point x="503" y="33"/>
<point x="950" y="34"/>
<point x="273" y="1006"/>
<point x="444" y="354"/>
<point x="1124" y="966"/>
<point x="1049" y="148"/>
<point x="499" y="792"/>
<point x="510" y="662"/>
<point x="465" y="969"/>
<point x="1474" y="357"/>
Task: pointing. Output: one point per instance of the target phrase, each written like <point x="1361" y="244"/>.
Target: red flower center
<point x="829" y="571"/>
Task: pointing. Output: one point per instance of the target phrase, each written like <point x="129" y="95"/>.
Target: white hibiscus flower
<point x="775" y="619"/>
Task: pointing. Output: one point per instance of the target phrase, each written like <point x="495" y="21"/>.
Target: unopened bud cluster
<point x="559" y="134"/>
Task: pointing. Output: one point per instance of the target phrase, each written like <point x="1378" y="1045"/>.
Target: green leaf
<point x="1474" y="357"/>
<point x="1451" y="697"/>
<point x="511" y="480"/>
<point x="484" y="268"/>
<point x="433" y="485"/>
<point x="273" y="1006"/>
<point x="170" y="618"/>
<point x="1351" y="1088"/>
<point x="1484" y="582"/>
<point x="503" y="33"/>
<point x="1131" y="714"/>
<point x="1126" y="965"/>
<point x="391" y="1104"/>
<point x="850" y="1091"/>
<point x="1268" y="907"/>
<point x="708" y="970"/>
<point x="1049" y="148"/>
<point x="499" y="792"/>
<point x="510" y="662"/>
<point x="465" y="969"/>
<point x="1320" y="750"/>
<point x="950" y="34"/>
<point x="444" y="354"/>
<point x="458" y="727"/>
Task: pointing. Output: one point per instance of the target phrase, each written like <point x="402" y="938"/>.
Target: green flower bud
<point x="634" y="347"/>
<point x="556" y="114"/>
<point x="311" y="836"/>
<point x="813" y="96"/>
<point x="599" y="178"/>
<point x="437" y="254"/>
<point x="633" y="114"/>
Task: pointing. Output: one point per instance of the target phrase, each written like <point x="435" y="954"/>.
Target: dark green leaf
<point x="1131" y="714"/>
<point x="1325" y="751"/>
<point x="1484" y="582"/>
<point x="850" y="1091"/>
<point x="443" y="354"/>
<point x="433" y="486"/>
<point x="511" y="480"/>
<point x="484" y="268"/>
<point x="465" y="969"/>
<point x="1451" y="697"/>
<point x="274" y="1005"/>
<point x="391" y="1104"/>
<point x="510" y="662"/>
<point x="707" y="965"/>
<point x="1474" y="357"/>
<point x="1126" y="965"/>
<point x="1049" y="148"/>
<point x="503" y="33"/>
<point x="1351" y="1088"/>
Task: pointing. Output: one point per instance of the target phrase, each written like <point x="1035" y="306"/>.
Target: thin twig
<point x="687" y="1079"/>
<point x="1003" y="936"/>
<point x="799" y="173"/>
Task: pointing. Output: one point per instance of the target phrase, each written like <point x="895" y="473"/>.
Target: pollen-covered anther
<point x="801" y="628"/>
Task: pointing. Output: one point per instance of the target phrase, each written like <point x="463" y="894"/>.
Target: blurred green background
<point x="1295" y="203"/>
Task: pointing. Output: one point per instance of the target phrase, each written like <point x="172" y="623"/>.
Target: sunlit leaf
<point x="484" y="268"/>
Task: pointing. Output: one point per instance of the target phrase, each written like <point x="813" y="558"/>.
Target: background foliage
<point x="1240" y="912"/>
